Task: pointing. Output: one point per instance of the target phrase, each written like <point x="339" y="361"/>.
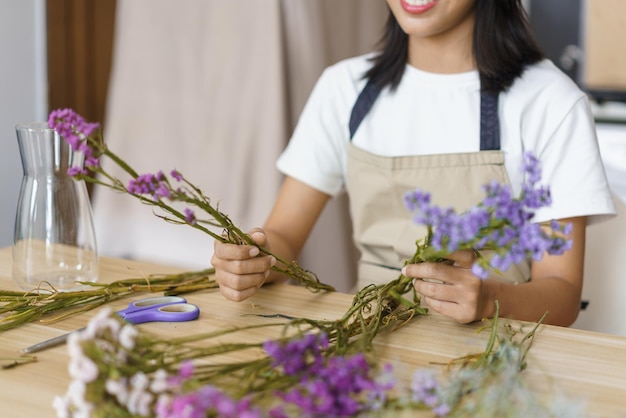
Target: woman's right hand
<point x="239" y="269"/>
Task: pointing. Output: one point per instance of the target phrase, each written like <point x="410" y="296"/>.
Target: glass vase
<point x="54" y="246"/>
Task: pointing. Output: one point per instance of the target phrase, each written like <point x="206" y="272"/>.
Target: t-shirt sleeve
<point x="573" y="168"/>
<point x="316" y="152"/>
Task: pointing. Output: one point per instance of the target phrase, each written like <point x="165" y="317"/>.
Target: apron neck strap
<point x="489" y="122"/>
<point x="363" y="104"/>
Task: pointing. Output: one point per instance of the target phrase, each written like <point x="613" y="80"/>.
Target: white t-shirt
<point x="543" y="112"/>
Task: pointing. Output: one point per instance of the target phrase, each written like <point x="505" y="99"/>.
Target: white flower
<point x="61" y="405"/>
<point x="122" y="394"/>
<point x="97" y="323"/>
<point x="127" y="336"/>
<point x="139" y="381"/>
<point x="139" y="403"/>
<point x="74" y="348"/>
<point x="76" y="396"/>
<point x="83" y="368"/>
<point x="162" y="405"/>
<point x="139" y="399"/>
<point x="159" y="381"/>
<point x="115" y="387"/>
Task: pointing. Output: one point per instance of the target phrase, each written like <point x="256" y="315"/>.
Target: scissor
<point x="157" y="309"/>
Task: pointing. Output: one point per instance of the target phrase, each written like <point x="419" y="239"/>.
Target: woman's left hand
<point x="451" y="289"/>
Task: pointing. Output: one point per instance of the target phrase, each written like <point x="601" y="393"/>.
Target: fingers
<point x="459" y="302"/>
<point x="435" y="290"/>
<point x="234" y="252"/>
<point x="240" y="270"/>
<point x="258" y="236"/>
<point x="435" y="272"/>
<point x="239" y="287"/>
<point x="450" y="309"/>
<point x="451" y="290"/>
<point x="239" y="279"/>
<point x="445" y="271"/>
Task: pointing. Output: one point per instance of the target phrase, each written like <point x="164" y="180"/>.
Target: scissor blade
<point x="52" y="342"/>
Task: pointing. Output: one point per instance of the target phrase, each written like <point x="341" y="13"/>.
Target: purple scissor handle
<point x="157" y="309"/>
<point x="160" y="309"/>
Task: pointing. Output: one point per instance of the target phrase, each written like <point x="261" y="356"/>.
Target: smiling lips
<point x="417" y="6"/>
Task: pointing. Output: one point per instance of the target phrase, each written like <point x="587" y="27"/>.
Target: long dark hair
<point x="503" y="46"/>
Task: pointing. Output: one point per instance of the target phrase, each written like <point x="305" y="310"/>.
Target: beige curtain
<point x="213" y="88"/>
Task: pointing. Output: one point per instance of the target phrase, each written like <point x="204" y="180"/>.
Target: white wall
<point x="22" y="94"/>
<point x="605" y="276"/>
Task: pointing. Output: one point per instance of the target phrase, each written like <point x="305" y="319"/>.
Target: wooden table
<point x="582" y="365"/>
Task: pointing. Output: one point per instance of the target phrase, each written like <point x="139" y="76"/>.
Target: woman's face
<point x="432" y="18"/>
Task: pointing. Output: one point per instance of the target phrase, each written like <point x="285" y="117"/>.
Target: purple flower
<point x="73" y="127"/>
<point x="92" y="162"/>
<point x="297" y="356"/>
<point x="425" y="389"/>
<point x="205" y="401"/>
<point x="531" y="167"/>
<point x="416" y="200"/>
<point x="176" y="175"/>
<point x="278" y="412"/>
<point x="154" y="185"/>
<point x="75" y="171"/>
<point x="328" y="386"/>
<point x="500" y="222"/>
<point x="190" y="217"/>
<point x="441" y="410"/>
<point x="479" y="271"/>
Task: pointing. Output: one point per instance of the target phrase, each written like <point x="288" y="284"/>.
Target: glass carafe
<point x="54" y="244"/>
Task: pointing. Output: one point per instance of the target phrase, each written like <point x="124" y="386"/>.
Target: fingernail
<point x="272" y="261"/>
<point x="404" y="270"/>
<point x="254" y="251"/>
<point x="267" y="273"/>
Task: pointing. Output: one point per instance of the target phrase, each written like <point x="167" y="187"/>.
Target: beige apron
<point x="383" y="228"/>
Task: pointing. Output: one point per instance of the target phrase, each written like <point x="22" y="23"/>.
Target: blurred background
<point x="214" y="88"/>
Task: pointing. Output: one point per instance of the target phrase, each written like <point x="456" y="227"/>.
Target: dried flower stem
<point x="194" y="197"/>
<point x="24" y="307"/>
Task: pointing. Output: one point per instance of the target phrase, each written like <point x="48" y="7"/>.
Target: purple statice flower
<point x="75" y="130"/>
<point x="185" y="371"/>
<point x="73" y="127"/>
<point x="532" y="168"/>
<point x="479" y="271"/>
<point x="333" y="389"/>
<point x="452" y="229"/>
<point x="425" y="389"/>
<point x="500" y="222"/>
<point x="385" y="382"/>
<point x="416" y="200"/>
<point x="208" y="401"/>
<point x="190" y="217"/>
<point x="441" y="410"/>
<point x="278" y="412"/>
<point x="176" y="175"/>
<point x="155" y="185"/>
<point x="328" y="387"/>
<point x="299" y="355"/>
<point x="76" y="171"/>
<point x="92" y="162"/>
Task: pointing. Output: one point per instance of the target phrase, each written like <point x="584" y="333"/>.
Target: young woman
<point x="457" y="94"/>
